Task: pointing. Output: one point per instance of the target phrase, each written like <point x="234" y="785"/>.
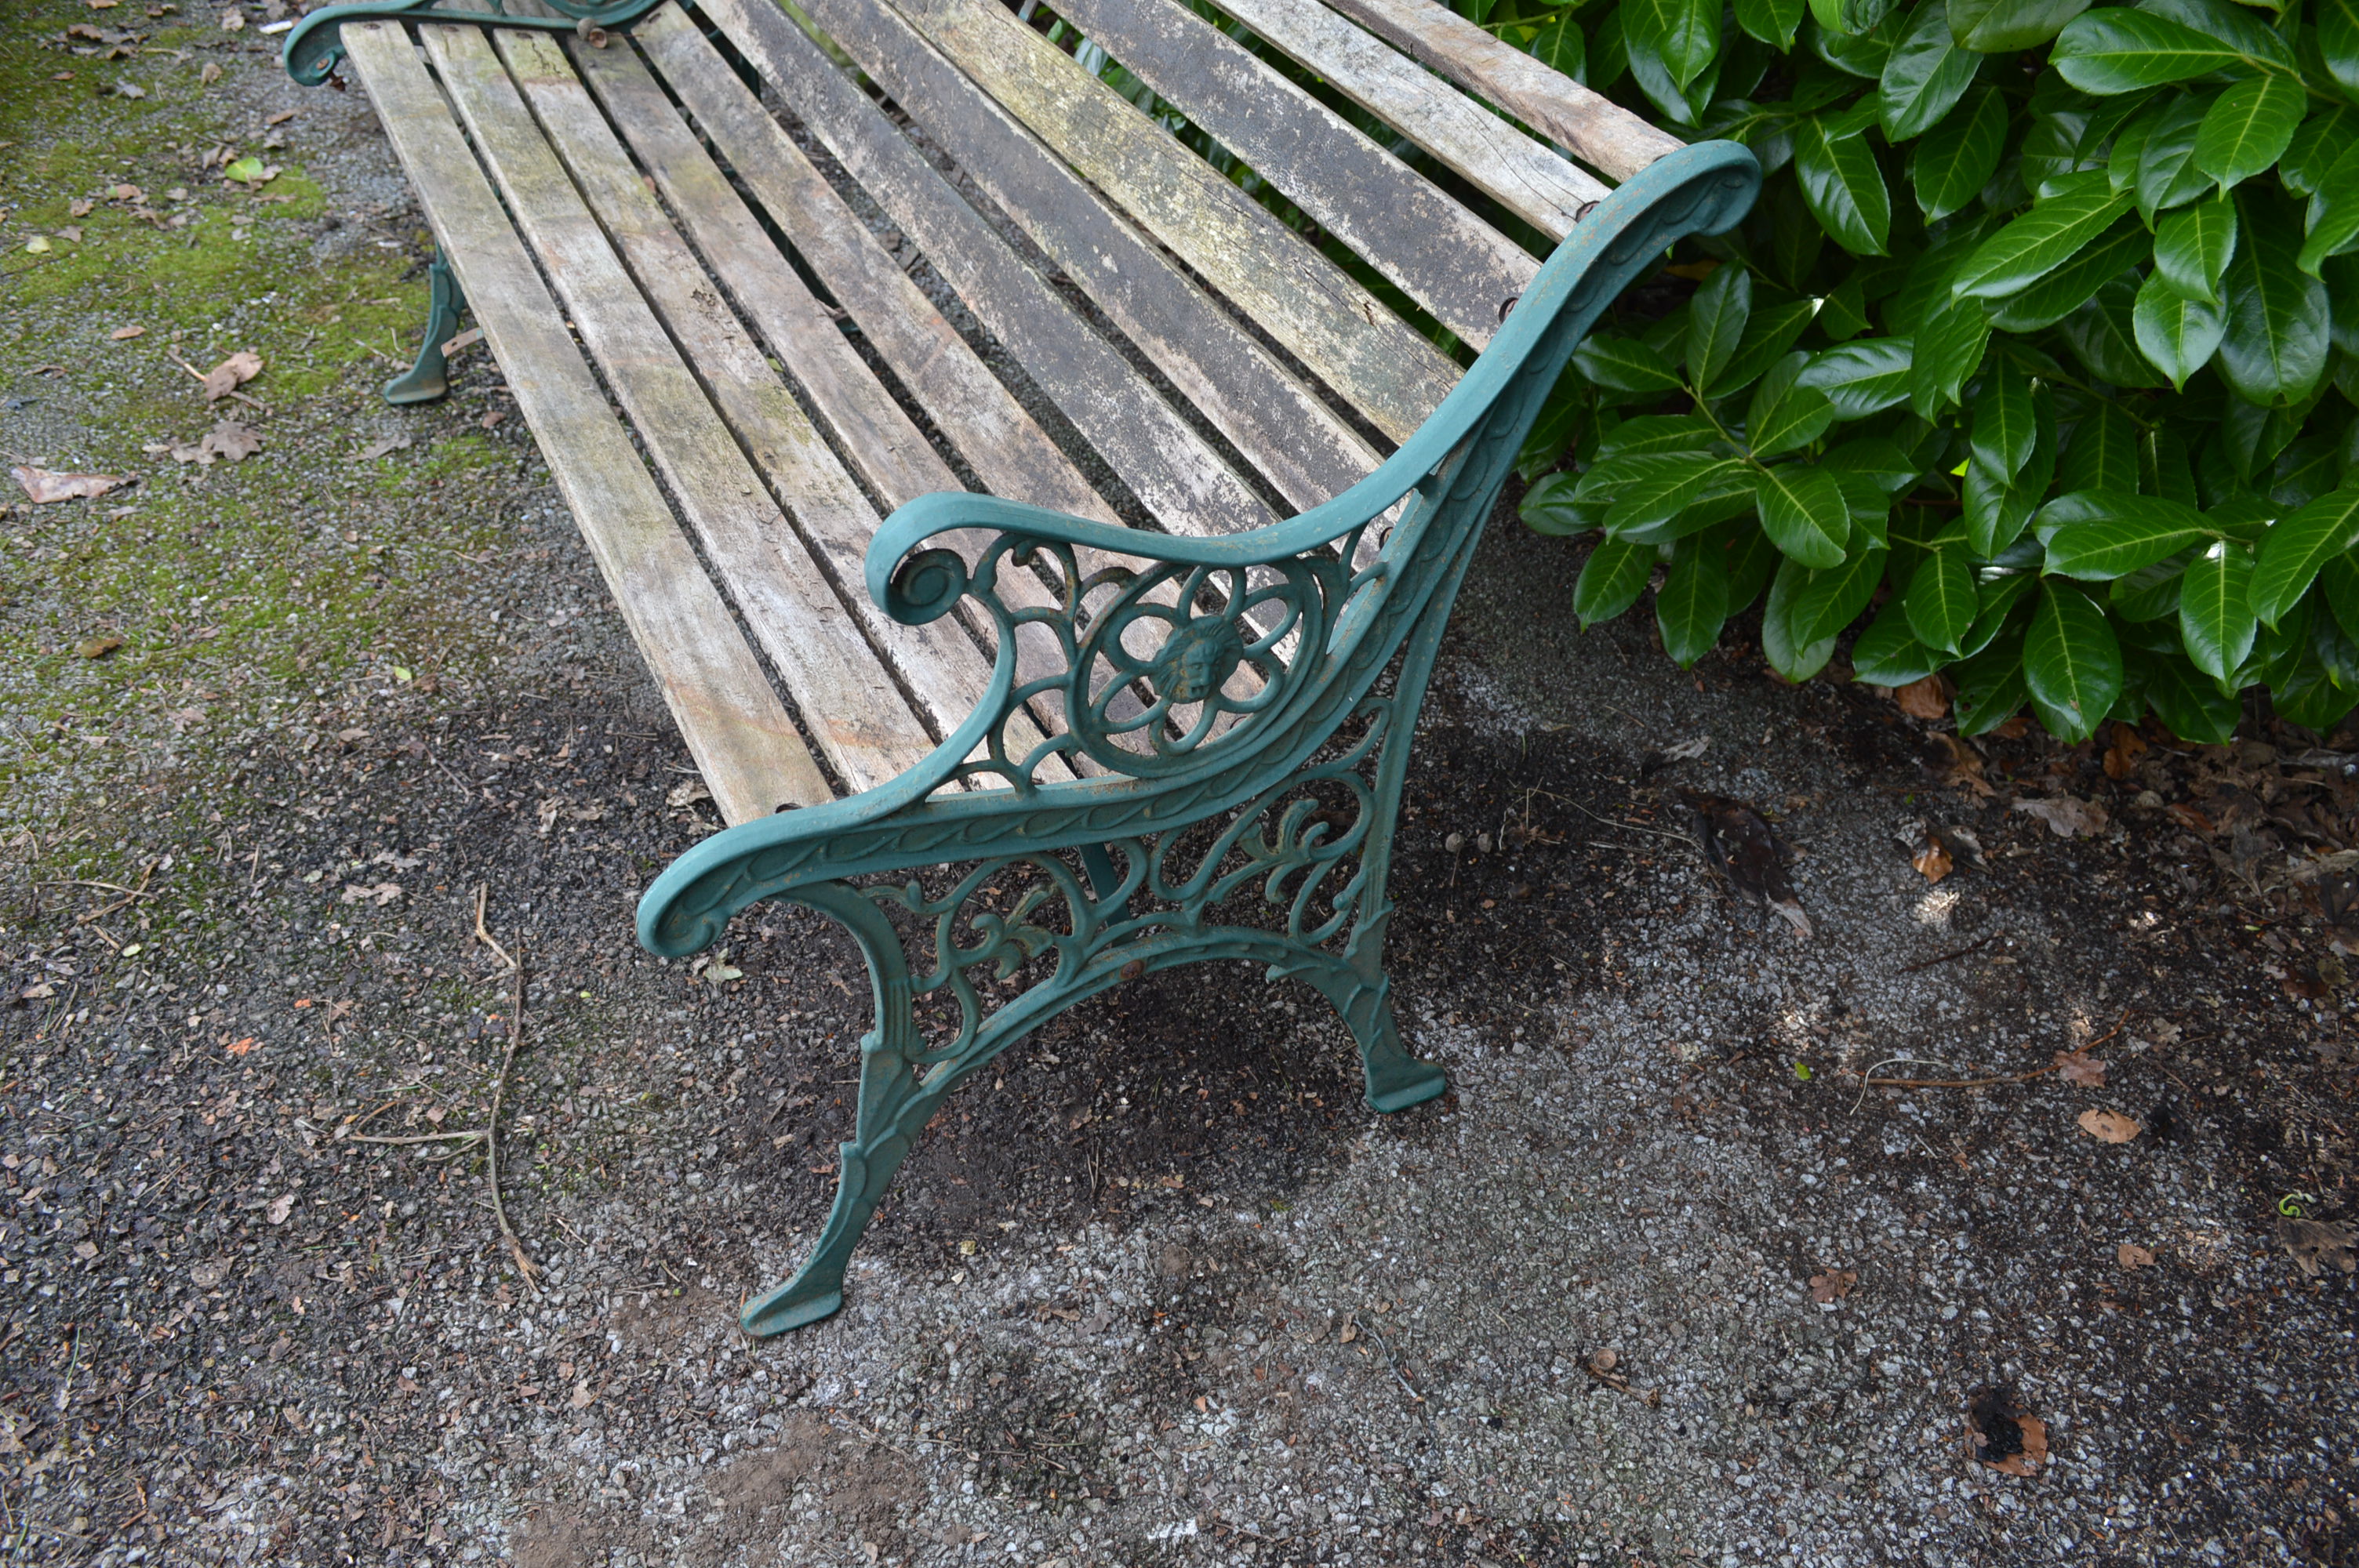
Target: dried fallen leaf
<point x="2109" y="1126"/>
<point x="232" y="373"/>
<point x="45" y="487"/>
<point x="124" y="334"/>
<point x="240" y="1047"/>
<point x="210" y="74"/>
<point x="1966" y="765"/>
<point x="1741" y="846"/>
<point x="209" y="1273"/>
<point x="2079" y="1067"/>
<point x="2313" y="1242"/>
<point x="1832" y="1286"/>
<point x="280" y="118"/>
<point x="377" y="894"/>
<point x="2121" y="757"/>
<point x="688" y="793"/>
<point x="97" y="647"/>
<point x="376" y="449"/>
<point x="1604" y="1361"/>
<point x="280" y="1207"/>
<point x="1928" y="698"/>
<point x="81" y="207"/>
<point x="2130" y="1255"/>
<point x="581" y="1396"/>
<point x="232" y="21"/>
<point x="127" y="193"/>
<point x="1932" y="861"/>
<point x="40" y="245"/>
<point x="2067" y="816"/>
<point x="2005" y="1438"/>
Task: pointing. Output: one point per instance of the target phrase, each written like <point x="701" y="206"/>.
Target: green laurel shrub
<point x="2039" y="355"/>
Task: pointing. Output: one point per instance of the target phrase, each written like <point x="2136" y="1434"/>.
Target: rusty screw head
<point x="1135" y="969"/>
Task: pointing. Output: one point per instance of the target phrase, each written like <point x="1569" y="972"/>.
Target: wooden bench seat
<point x="987" y="475"/>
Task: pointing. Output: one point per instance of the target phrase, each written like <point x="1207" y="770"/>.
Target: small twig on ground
<point x="483" y="891"/>
<point x="1393" y="1366"/>
<point x="470" y="1134"/>
<point x="1630" y="827"/>
<point x="1945" y="957"/>
<point x="524" y="1263"/>
<point x="1955" y="1082"/>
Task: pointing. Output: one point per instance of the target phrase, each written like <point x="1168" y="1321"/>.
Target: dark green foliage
<point x="2037" y="361"/>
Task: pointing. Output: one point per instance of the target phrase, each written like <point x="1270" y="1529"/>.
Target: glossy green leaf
<point x="1625" y="364"/>
<point x="2167" y="174"/>
<point x="2104" y="333"/>
<point x="1851" y="18"/>
<point x="2041" y="240"/>
<point x="1611" y="581"/>
<point x="1877" y="460"/>
<point x="1551" y="507"/>
<point x="1863" y="376"/>
<point x="2339" y="582"/>
<point x="2177" y="335"/>
<point x="1889" y="655"/>
<point x="1788" y="655"/>
<point x="1693" y="601"/>
<point x="1784" y="415"/>
<point x="2297" y="547"/>
<point x="2149" y="593"/>
<point x="2102" y="453"/>
<point x="1926" y="75"/>
<point x="2215" y="610"/>
<point x="1838" y="594"/>
<point x="1844" y="188"/>
<point x="1562" y="46"/>
<point x="2247" y="128"/>
<point x="1950" y="344"/>
<point x="2097" y="535"/>
<point x="1716" y="321"/>
<point x="2338" y="42"/>
<point x="1803" y="511"/>
<point x="1941" y="601"/>
<point x="1953" y="161"/>
<point x="1671" y="484"/>
<point x="2071" y="663"/>
<point x="2118" y="49"/>
<point x="2192" y="707"/>
<point x="2004" y="27"/>
<point x="2278" y="330"/>
<point x="2333" y="219"/>
<point x="1659" y="433"/>
<point x="2075" y="283"/>
<point x="2003" y="431"/>
<point x="2192" y="248"/>
<point x="1769" y="335"/>
<point x="1996" y="512"/>
<point x="1990" y="685"/>
<point x="1771" y="21"/>
<point x="1683" y="35"/>
<point x="2233" y="26"/>
<point x="1751" y="560"/>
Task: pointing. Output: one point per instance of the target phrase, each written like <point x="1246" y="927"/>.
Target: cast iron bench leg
<point x="427" y="381"/>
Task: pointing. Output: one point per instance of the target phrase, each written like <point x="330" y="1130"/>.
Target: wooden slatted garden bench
<point x="1056" y="698"/>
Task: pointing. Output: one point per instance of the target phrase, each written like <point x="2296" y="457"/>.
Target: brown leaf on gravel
<point x="2067" y="817"/>
<point x="97" y="647"/>
<point x="232" y="373"/>
<point x="228" y="440"/>
<point x="2079" y="1067"/>
<point x="1741" y="846"/>
<point x="46" y="487"/>
<point x="124" y="334"/>
<point x="2316" y="1242"/>
<point x="2005" y="1438"/>
<point x="1966" y="765"/>
<point x="210" y="74"/>
<point x="2130" y="1255"/>
<point x="81" y="207"/>
<point x="1832" y="1286"/>
<point x="1928" y="698"/>
<point x="2109" y="1126"/>
<point x="1932" y="861"/>
<point x="2121" y="757"/>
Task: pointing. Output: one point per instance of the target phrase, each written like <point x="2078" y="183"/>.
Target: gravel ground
<point x="1662" y="1282"/>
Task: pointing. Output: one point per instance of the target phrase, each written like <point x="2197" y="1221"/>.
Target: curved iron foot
<point x="428" y="381"/>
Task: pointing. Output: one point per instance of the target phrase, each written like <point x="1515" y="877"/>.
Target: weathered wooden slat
<point x="970" y="405"/>
<point x="1460" y="268"/>
<point x="1528" y="178"/>
<point x="856" y="713"/>
<point x="835" y="522"/>
<point x="1597" y="129"/>
<point x="743" y="743"/>
<point x="1172" y="469"/>
<point x="1345" y="334"/>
